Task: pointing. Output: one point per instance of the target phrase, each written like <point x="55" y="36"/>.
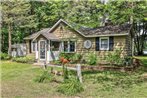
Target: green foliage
<point x="16" y="15"/>
<point x="26" y="59"/>
<point x="128" y="60"/>
<point x="22" y="17"/>
<point x="110" y="80"/>
<point x="4" y="56"/>
<point x="115" y="57"/>
<point x="91" y="59"/>
<point x="70" y="87"/>
<point x="12" y="75"/>
<point x="66" y="55"/>
<point x="76" y="58"/>
<point x="73" y="57"/>
<point x="65" y="72"/>
<point x="127" y="11"/>
<point x="123" y="82"/>
<point x="35" y="15"/>
<point x="45" y="77"/>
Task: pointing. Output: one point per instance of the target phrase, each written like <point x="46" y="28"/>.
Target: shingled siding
<point x="27" y="46"/>
<point x="119" y="43"/>
<point x="129" y="45"/>
<point x="65" y="33"/>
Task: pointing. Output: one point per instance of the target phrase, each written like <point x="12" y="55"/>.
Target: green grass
<point x="143" y="59"/>
<point x="17" y="82"/>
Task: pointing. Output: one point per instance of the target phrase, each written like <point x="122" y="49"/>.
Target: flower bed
<point x="109" y="68"/>
<point x="105" y="66"/>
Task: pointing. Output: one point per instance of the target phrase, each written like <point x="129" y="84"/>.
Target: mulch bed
<point x="101" y="67"/>
<point x="106" y="66"/>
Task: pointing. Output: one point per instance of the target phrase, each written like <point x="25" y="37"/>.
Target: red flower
<point x="65" y="61"/>
<point x="61" y="59"/>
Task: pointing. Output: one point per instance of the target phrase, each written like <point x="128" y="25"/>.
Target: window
<point x="72" y="46"/>
<point x="55" y="46"/>
<point x="33" y="46"/>
<point x="104" y="43"/>
<point x="97" y="44"/>
<point x="65" y="46"/>
<point x="69" y="46"/>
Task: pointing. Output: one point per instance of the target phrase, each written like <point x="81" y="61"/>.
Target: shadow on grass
<point x="116" y="73"/>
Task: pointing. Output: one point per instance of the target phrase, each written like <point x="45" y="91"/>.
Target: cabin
<point x="48" y="43"/>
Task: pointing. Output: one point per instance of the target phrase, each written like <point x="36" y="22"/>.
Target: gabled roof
<point x="61" y="20"/>
<point x="110" y="30"/>
<point x="45" y="33"/>
<point x="37" y="33"/>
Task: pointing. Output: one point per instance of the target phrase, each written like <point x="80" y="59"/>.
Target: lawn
<point x="143" y="59"/>
<point x="17" y="82"/>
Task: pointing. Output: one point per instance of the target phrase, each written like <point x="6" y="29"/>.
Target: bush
<point x="115" y="57"/>
<point x="4" y="56"/>
<point x="91" y="59"/>
<point x="66" y="55"/>
<point x="70" y="87"/>
<point x="76" y="58"/>
<point x="72" y="57"/>
<point x="128" y="60"/>
<point x="26" y="59"/>
<point x="44" y="77"/>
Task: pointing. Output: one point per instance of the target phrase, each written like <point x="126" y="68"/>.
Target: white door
<point x="42" y="50"/>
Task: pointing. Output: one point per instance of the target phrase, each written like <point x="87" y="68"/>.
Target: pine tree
<point x="16" y="13"/>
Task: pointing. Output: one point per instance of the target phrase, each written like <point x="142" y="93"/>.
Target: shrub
<point x="76" y="58"/>
<point x="4" y="56"/>
<point x="70" y="87"/>
<point x="26" y="59"/>
<point x="72" y="57"/>
<point x="128" y="60"/>
<point x="115" y="57"/>
<point x="44" y="77"/>
<point x="91" y="59"/>
<point x="66" y="55"/>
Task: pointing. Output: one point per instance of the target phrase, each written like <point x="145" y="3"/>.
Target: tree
<point x="85" y="13"/>
<point x="16" y="13"/>
<point x="21" y="18"/>
<point x="133" y="12"/>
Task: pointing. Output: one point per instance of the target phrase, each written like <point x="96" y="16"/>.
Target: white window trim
<point x="68" y="47"/>
<point x="100" y="43"/>
<point x="45" y="49"/>
<point x="32" y="46"/>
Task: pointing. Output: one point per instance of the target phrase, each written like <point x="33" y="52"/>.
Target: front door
<point x="42" y="50"/>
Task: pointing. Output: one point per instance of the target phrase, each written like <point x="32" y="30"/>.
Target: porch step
<point x="41" y="63"/>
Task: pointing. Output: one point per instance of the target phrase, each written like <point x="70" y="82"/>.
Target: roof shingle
<point x="106" y="30"/>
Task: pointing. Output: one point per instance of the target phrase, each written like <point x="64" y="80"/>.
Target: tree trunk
<point x="9" y="39"/>
<point x="140" y="52"/>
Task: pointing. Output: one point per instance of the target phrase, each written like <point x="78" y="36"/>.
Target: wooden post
<point x="79" y="74"/>
<point x="45" y="66"/>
